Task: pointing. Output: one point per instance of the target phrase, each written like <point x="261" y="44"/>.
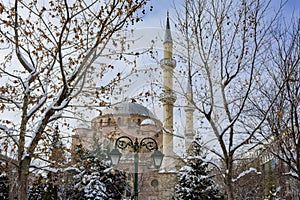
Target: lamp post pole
<point x="136" y="177"/>
<point x="149" y="143"/>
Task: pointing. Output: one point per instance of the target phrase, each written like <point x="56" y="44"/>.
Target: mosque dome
<point x="127" y="108"/>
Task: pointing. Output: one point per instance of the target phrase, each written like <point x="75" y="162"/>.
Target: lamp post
<point x="149" y="143"/>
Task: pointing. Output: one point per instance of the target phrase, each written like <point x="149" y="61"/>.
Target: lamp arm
<point x="122" y="143"/>
<point x="149" y="143"/>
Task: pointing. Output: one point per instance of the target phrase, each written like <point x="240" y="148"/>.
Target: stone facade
<point x="136" y="122"/>
<point x="167" y="181"/>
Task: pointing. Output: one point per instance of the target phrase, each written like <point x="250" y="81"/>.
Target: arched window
<point x="139" y="122"/>
<point x="109" y="122"/>
<point x="101" y="123"/>
<point x="119" y="121"/>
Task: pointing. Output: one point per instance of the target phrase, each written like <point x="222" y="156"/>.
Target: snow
<point x="5" y="98"/>
<point x="56" y="116"/>
<point x="292" y="174"/>
<point x="37" y="106"/>
<point x="107" y="169"/>
<point x="3" y="174"/>
<point x="39" y="123"/>
<point x="168" y="131"/>
<point x="25" y="154"/>
<point x="23" y="59"/>
<point x="186" y="168"/>
<point x="26" y="86"/>
<point x="51" y="169"/>
<point x="63" y="104"/>
<point x="148" y="122"/>
<point x="5" y="128"/>
<point x="245" y="173"/>
<point x="195" y="181"/>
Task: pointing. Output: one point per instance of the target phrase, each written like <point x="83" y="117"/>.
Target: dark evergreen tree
<point x="43" y="188"/>
<point x="99" y="150"/>
<point x="48" y="186"/>
<point x="195" y="182"/>
<point x="94" y="179"/>
<point x="36" y="188"/>
<point x="4" y="184"/>
<point x="51" y="187"/>
<point x="57" y="159"/>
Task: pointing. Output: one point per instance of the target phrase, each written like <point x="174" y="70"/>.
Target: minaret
<point x="168" y="97"/>
<point x="189" y="121"/>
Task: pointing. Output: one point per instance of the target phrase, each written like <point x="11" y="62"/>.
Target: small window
<point x="154" y="183"/>
<point x="109" y="122"/>
<point x="101" y="123"/>
<point x="139" y="122"/>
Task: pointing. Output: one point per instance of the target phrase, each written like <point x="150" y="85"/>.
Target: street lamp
<point x="149" y="143"/>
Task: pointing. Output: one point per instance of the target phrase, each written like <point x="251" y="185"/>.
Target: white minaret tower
<point x="189" y="116"/>
<point x="168" y="97"/>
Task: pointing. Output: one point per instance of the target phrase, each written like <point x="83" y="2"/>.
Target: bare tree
<point x="227" y="46"/>
<point x="46" y="50"/>
<point x="283" y="120"/>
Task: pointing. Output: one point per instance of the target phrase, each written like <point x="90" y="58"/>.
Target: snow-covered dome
<point x="127" y="108"/>
<point x="148" y="122"/>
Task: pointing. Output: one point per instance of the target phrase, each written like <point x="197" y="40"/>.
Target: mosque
<point x="136" y="122"/>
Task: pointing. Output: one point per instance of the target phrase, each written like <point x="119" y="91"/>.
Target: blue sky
<point x="160" y="7"/>
<point x="293" y="4"/>
<point x="154" y="23"/>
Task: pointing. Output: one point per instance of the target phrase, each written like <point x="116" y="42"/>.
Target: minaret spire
<point x="168" y="97"/>
<point x="168" y="36"/>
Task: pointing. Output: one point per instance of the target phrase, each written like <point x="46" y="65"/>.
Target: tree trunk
<point x="229" y="189"/>
<point x="229" y="186"/>
<point x="228" y="178"/>
<point x="23" y="175"/>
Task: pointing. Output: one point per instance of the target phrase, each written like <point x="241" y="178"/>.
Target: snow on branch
<point x="245" y="173"/>
<point x="39" y="124"/>
<point x="37" y="106"/>
<point x="24" y="62"/>
<point x="6" y="129"/>
<point x="62" y="105"/>
<point x="25" y="154"/>
<point x="56" y="116"/>
<point x="11" y="100"/>
<point x="293" y="174"/>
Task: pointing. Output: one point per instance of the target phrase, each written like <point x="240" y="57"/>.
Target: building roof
<point x="127" y="108"/>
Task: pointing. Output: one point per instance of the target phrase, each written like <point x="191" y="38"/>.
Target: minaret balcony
<point x="167" y="63"/>
<point x="168" y="97"/>
<point x="189" y="108"/>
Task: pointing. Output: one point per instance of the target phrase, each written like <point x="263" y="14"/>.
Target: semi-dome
<point x="148" y="122"/>
<point x="127" y="108"/>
